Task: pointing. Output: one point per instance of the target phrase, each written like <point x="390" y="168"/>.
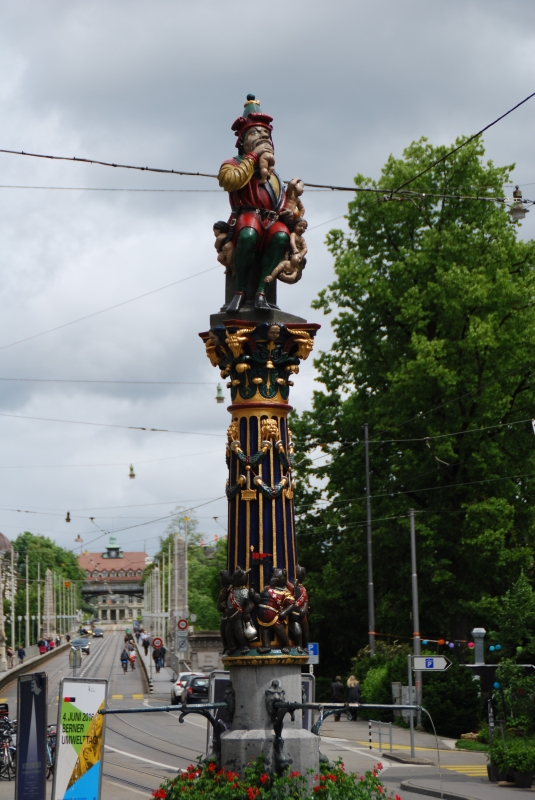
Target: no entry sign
<point x="182" y="624"/>
<point x="157" y="642"/>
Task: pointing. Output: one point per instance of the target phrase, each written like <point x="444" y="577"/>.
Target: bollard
<point x="370" y="733"/>
<point x="151" y="687"/>
<point x="380" y="737"/>
<point x="390" y="734"/>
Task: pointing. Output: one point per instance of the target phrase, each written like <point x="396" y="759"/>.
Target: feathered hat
<point x="252" y="117"/>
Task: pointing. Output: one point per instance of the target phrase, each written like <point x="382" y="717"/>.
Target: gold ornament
<point x="235" y="340"/>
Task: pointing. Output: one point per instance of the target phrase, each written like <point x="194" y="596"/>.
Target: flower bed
<point x="203" y="780"/>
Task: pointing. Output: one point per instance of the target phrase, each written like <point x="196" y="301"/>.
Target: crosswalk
<point x="472" y="770"/>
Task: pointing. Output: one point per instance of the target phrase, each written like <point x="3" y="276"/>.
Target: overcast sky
<point x="160" y="84"/>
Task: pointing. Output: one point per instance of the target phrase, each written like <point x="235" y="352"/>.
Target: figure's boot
<point x="244" y="258"/>
<point x="271" y="258"/>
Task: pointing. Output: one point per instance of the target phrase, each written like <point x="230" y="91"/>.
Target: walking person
<point x="337" y="695"/>
<point x="10" y="653"/>
<point x="353" y="695"/>
<point x="146" y="644"/>
<point x="21" y="652"/>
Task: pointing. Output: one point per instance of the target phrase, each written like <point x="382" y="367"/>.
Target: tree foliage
<point x="204" y="565"/>
<point x="434" y="322"/>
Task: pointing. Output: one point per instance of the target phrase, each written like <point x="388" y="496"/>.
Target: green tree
<point x="204" y="565"/>
<point x="43" y="551"/>
<point x="516" y="619"/>
<point x="433" y="330"/>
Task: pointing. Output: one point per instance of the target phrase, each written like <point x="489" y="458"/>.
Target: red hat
<point x="251" y="118"/>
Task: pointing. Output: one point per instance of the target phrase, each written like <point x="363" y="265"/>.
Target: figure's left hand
<point x="286" y="215"/>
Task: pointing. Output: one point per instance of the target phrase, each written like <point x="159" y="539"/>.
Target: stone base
<point x="251" y="314"/>
<point x="239" y="747"/>
<point x="251" y="733"/>
<point x="256" y="659"/>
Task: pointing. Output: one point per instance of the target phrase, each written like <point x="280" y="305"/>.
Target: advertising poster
<point x="30" y="780"/>
<point x="80" y="739"/>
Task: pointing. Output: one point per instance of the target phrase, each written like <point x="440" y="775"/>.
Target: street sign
<point x="157" y="642"/>
<point x="313" y="653"/>
<point x="182" y="644"/>
<point x="430" y="663"/>
<point x="182" y="624"/>
<point x="182" y="634"/>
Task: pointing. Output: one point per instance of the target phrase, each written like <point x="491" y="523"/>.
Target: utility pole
<point x="417" y="649"/>
<point x="27" y="606"/>
<point x="371" y="601"/>
<point x="3" y="660"/>
<point x="186" y="582"/>
<point x="38" y="600"/>
<point x="12" y="599"/>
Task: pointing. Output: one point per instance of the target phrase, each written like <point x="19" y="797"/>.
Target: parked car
<point x="98" y="633"/>
<point x="82" y="644"/>
<point x="195" y="690"/>
<point x="178" y="686"/>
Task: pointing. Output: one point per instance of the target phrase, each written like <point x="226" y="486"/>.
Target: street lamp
<point x="33" y="620"/>
<point x="516" y="209"/>
<point x="19" y="619"/>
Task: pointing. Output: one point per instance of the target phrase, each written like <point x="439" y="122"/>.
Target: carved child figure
<point x="298" y="621"/>
<point x="290" y="270"/>
<point x="223" y="245"/>
<point x="294" y="190"/>
<point x="239" y="609"/>
<point x="273" y="605"/>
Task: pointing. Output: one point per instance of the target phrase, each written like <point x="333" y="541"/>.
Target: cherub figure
<point x="223" y="245"/>
<point x="266" y="166"/>
<point x="294" y="190"/>
<point x="290" y="270"/>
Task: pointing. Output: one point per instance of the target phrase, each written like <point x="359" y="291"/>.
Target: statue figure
<point x="260" y="217"/>
<point x="273" y="605"/>
<point x="223" y="245"/>
<point x="239" y="609"/>
<point x="291" y="269"/>
<point x="224" y="582"/>
<point x="298" y="619"/>
<point x="294" y="190"/>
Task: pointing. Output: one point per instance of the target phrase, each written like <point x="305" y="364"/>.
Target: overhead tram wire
<point x="111" y="425"/>
<point x="185" y="173"/>
<point x="109" y="308"/>
<point x="89" y="380"/>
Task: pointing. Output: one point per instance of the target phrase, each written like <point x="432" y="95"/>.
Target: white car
<point x="178" y="686"/>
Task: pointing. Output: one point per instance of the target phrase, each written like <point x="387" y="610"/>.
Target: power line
<point x="110" y="425"/>
<point x="124" y="189"/>
<point x="110" y="308"/>
<point x="470" y="139"/>
<point x="108" y="464"/>
<point x="88" y="380"/>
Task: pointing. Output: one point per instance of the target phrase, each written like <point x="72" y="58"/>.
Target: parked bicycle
<point x="8" y="750"/>
<point x="51" y="739"/>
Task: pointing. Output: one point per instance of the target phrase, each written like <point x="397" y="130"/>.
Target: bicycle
<point x="125" y="666"/>
<point x="51" y="739"/>
<point x="7" y="751"/>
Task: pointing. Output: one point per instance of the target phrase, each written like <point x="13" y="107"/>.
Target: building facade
<point x="113" y="583"/>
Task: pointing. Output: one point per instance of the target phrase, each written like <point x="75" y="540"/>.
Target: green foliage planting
<point x="518" y="695"/>
<point x="204" y="780"/>
<point x="452" y="699"/>
<point x="433" y="323"/>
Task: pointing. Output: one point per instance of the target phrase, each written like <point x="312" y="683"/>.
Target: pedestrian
<point x="146" y="644"/>
<point x="10" y="654"/>
<point x="337" y="695"/>
<point x="58" y="640"/>
<point x="132" y="659"/>
<point x="21" y="652"/>
<point x="353" y="695"/>
<point x="158" y="654"/>
<point x="41" y="646"/>
<point x="68" y="637"/>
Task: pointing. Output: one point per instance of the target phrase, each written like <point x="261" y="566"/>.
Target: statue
<point x="262" y="216"/>
<point x="238" y="623"/>
<point x="298" y="620"/>
<point x="273" y="605"/>
<point x="224" y="582"/>
<point x="291" y="269"/>
<point x="223" y="245"/>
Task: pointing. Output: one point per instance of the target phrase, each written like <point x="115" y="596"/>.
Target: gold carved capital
<point x="305" y="344"/>
<point x="236" y="340"/>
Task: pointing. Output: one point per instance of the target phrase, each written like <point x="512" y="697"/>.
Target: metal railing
<point x="379" y="724"/>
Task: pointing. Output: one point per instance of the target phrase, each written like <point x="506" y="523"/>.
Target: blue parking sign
<point x="313" y="653"/>
<point x="429" y="663"/>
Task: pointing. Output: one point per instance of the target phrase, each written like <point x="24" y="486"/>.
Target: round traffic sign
<point x="182" y="624"/>
<point x="157" y="642"/>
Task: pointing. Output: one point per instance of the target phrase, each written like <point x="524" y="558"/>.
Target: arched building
<point x="113" y="583"/>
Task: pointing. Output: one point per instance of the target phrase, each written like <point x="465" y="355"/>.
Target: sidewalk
<point x="424" y="743"/>
<point x="162" y="680"/>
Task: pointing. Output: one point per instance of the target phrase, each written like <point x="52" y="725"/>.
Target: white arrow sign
<point x="430" y="663"/>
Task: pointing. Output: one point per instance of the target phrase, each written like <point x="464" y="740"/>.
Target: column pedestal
<point x="251" y="733"/>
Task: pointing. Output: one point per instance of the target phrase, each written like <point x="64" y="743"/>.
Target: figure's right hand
<point x="263" y="147"/>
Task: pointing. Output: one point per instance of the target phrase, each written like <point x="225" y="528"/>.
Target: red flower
<point x="319" y="788"/>
<point x="159" y="793"/>
<point x="211" y="767"/>
<point x="379" y="766"/>
<point x="331" y="778"/>
<point x="264" y="778"/>
<point x="294" y="774"/>
<point x="380" y="789"/>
